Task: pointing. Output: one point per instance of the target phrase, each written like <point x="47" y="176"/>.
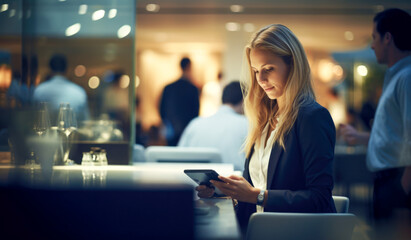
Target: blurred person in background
<point x="291" y="138"/>
<point x="58" y="89"/>
<point x="116" y="100"/>
<point x="389" y="143"/>
<point x="368" y="108"/>
<point x="225" y="130"/>
<point x="179" y="104"/>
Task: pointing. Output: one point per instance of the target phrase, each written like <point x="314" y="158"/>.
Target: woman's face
<point x="270" y="71"/>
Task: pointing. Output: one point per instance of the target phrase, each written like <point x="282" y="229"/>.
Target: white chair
<point x="167" y="154"/>
<point x="298" y="226"/>
<point x="341" y="204"/>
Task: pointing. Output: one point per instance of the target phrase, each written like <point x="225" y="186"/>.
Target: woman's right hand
<point x="204" y="191"/>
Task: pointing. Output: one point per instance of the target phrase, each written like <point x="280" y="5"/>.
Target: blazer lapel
<point x="275" y="156"/>
<point x="246" y="173"/>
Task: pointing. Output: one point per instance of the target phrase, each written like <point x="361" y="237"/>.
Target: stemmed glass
<point x="41" y="126"/>
<point x="67" y="124"/>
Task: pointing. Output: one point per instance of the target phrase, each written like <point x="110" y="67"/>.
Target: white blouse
<point x="258" y="167"/>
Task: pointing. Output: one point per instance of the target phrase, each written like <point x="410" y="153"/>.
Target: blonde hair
<point x="259" y="109"/>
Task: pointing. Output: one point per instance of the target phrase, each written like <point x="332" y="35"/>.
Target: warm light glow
<point x="112" y="13"/>
<point x="153" y="7"/>
<point x="97" y="15"/>
<point x="362" y="70"/>
<point x="349" y="36"/>
<point x="4" y="7"/>
<point x="123" y="31"/>
<point x="338" y="71"/>
<point x="325" y="70"/>
<point x="73" y="29"/>
<point x="80" y="70"/>
<point x="249" y="27"/>
<point x="5" y="76"/>
<point x="232" y="26"/>
<point x="82" y="9"/>
<point x="210" y="98"/>
<point x="94" y="82"/>
<point x="124" y="81"/>
<point x="137" y="81"/>
<point x="236" y="8"/>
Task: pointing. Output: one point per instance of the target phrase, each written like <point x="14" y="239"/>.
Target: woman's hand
<point x="204" y="191"/>
<point x="352" y="136"/>
<point x="237" y="188"/>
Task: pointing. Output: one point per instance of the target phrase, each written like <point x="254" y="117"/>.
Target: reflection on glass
<point x="42" y="121"/>
<point x="67" y="124"/>
<point x="94" y="168"/>
<point x="34" y="32"/>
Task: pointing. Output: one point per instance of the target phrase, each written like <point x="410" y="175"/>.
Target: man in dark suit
<point x="179" y="104"/>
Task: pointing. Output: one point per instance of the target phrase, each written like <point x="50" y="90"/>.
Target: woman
<point x="290" y="144"/>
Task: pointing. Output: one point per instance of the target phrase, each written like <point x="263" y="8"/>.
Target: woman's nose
<point x="261" y="77"/>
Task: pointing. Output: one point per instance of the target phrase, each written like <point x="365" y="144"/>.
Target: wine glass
<point x="67" y="124"/>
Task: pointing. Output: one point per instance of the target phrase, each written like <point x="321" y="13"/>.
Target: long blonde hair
<point x="259" y="109"/>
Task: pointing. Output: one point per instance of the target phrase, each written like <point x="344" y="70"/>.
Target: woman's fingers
<point x="235" y="177"/>
<point x="204" y="191"/>
<point x="231" y="179"/>
<point x="201" y="187"/>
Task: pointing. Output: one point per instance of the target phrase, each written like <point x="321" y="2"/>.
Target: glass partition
<point x="76" y="56"/>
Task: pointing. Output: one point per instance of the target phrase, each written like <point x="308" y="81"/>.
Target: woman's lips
<point x="268" y="89"/>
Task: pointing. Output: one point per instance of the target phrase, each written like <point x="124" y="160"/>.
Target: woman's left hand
<point x="237" y="187"/>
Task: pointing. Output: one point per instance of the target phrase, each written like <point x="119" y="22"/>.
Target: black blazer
<point x="299" y="178"/>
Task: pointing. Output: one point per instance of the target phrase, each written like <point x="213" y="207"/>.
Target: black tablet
<point x="202" y="176"/>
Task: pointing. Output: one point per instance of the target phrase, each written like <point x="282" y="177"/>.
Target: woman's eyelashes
<point x="265" y="70"/>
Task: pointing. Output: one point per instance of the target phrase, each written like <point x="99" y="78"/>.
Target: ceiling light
<point x="112" y="13"/>
<point x="97" y="15"/>
<point x="82" y="9"/>
<point x="232" y="26"/>
<point x="80" y="70"/>
<point x="73" y="29"/>
<point x="236" y="8"/>
<point x="153" y="7"/>
<point x="349" y="36"/>
<point x="94" y="82"/>
<point x="123" y="31"/>
<point x="4" y="7"/>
